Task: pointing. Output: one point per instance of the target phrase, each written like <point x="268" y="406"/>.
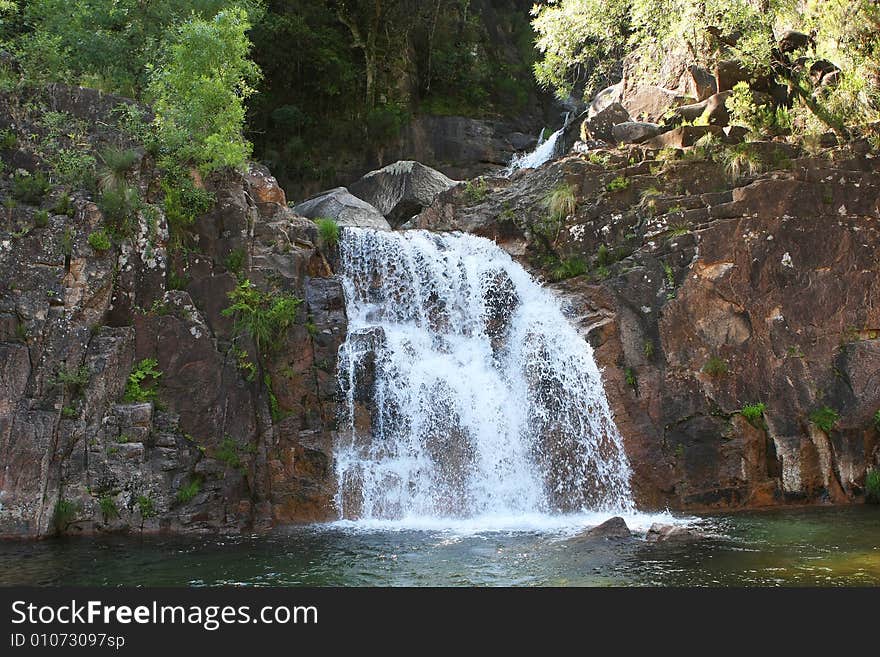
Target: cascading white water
<point x="465" y="391"/>
<point x="543" y="152"/>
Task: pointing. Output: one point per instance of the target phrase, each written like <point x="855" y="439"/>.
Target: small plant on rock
<point x="716" y="366"/>
<point x="265" y="317"/>
<point x="189" y="491"/>
<point x="617" y="184"/>
<point x="64" y="515"/>
<point x="570" y="267"/>
<point x="561" y="201"/>
<point x="141" y="386"/>
<point x="41" y="219"/>
<point x="30" y="188"/>
<point x="754" y="413"/>
<point x="825" y="418"/>
<point x="117" y="163"/>
<point x="872" y="486"/>
<point x="328" y="231"/>
<point x="108" y="508"/>
<point x="476" y="191"/>
<point x="99" y="240"/>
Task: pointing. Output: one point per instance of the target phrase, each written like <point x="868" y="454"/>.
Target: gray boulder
<point x="401" y="190"/>
<point x="348" y="210"/>
<point x="651" y="103"/>
<point x="601" y="125"/>
<point x="633" y="132"/>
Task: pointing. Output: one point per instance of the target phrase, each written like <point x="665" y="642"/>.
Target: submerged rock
<point x="660" y="533"/>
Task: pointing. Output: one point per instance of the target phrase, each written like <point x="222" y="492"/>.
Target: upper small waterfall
<point x="465" y="392"/>
<point x="545" y="151"/>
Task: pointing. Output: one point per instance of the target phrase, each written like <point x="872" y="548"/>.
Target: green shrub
<point x="108" y="508"/>
<point x="264" y="316"/>
<point x="630" y="377"/>
<point x="71" y="379"/>
<point x="716" y="366"/>
<point x="73" y="167"/>
<point x="872" y="487"/>
<point x="825" y="418"/>
<point x="228" y="452"/>
<point x="741" y="161"/>
<point x="41" y="219"/>
<point x="120" y="205"/>
<point x="99" y="240"/>
<point x="183" y="201"/>
<point x="189" y="491"/>
<point x="561" y="201"/>
<point x="135" y="389"/>
<point x="754" y="413"/>
<point x="648" y="349"/>
<point x="64" y="206"/>
<point x="328" y="231"/>
<point x="877" y="420"/>
<point x="30" y="188"/>
<point x="617" y="184"/>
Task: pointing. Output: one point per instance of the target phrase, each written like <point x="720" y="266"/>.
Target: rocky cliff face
<point x="707" y="292"/>
<point x="233" y="441"/>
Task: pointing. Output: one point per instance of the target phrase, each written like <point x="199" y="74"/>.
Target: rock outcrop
<point x="223" y="437"/>
<point x="716" y="284"/>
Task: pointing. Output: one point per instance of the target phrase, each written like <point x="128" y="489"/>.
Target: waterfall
<point x="543" y="152"/>
<point x="464" y="391"/>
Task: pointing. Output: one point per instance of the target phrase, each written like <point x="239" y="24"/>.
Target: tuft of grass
<point x="235" y="260"/>
<point x="189" y="491"/>
<point x="561" y="201"/>
<point x="99" y="240"/>
<point x="64" y="206"/>
<point x="117" y="162"/>
<point x="120" y="205"/>
<point x="227" y="452"/>
<point x="41" y="219"/>
<point x="741" y="162"/>
<point x="825" y="418"/>
<point x="872" y="486"/>
<point x="754" y="413"/>
<point x="147" y="507"/>
<point x="716" y="366"/>
<point x="65" y="513"/>
<point x="617" y="184"/>
<point x="8" y="139"/>
<point x="328" y="231"/>
<point x="108" y="508"/>
<point x="73" y="380"/>
<point x="569" y="268"/>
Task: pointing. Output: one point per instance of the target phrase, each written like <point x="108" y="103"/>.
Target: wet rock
<point x="613" y="528"/>
<point x="345" y="208"/>
<point x="401" y="190"/>
<point x="661" y="533"/>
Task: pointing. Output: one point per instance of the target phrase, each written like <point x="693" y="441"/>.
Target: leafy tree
<point x="200" y="90"/>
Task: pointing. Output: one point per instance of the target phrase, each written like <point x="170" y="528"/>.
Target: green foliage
<point x="99" y="240"/>
<point x="41" y="218"/>
<point x="263" y="316"/>
<point x="189" y="491"/>
<point x="762" y="120"/>
<point x="825" y="418"/>
<point x="147" y="507"/>
<point x="235" y="260"/>
<point x="229" y="453"/>
<point x="570" y="267"/>
<point x="716" y="366"/>
<point x="754" y="413"/>
<point x="200" y="89"/>
<point x="120" y="206"/>
<point x="72" y="166"/>
<point x="141" y="385"/>
<point x="630" y="377"/>
<point x="476" y="191"/>
<point x="183" y="201"/>
<point x="274" y="406"/>
<point x="30" y="188"/>
<point x="617" y="184"/>
<point x="877" y="420"/>
<point x="561" y="202"/>
<point x="872" y="486"/>
<point x="741" y="161"/>
<point x="64" y="514"/>
<point x="328" y="231"/>
<point x="108" y="508"/>
<point x="648" y="349"/>
<point x="72" y="379"/>
<point x="69" y="412"/>
<point x="8" y="139"/>
<point x="64" y="206"/>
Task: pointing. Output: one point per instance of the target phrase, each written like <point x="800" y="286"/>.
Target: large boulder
<point x="634" y="132"/>
<point x="401" y="190"/>
<point x="713" y="110"/>
<point x="650" y="103"/>
<point x="700" y="82"/>
<point x="348" y="210"/>
<point x="601" y="125"/>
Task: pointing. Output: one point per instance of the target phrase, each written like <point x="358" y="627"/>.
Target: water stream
<point x="468" y="397"/>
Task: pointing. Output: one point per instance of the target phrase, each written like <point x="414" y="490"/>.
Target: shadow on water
<point x="791" y="547"/>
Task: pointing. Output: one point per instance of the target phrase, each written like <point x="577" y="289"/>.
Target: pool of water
<point x="837" y="546"/>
